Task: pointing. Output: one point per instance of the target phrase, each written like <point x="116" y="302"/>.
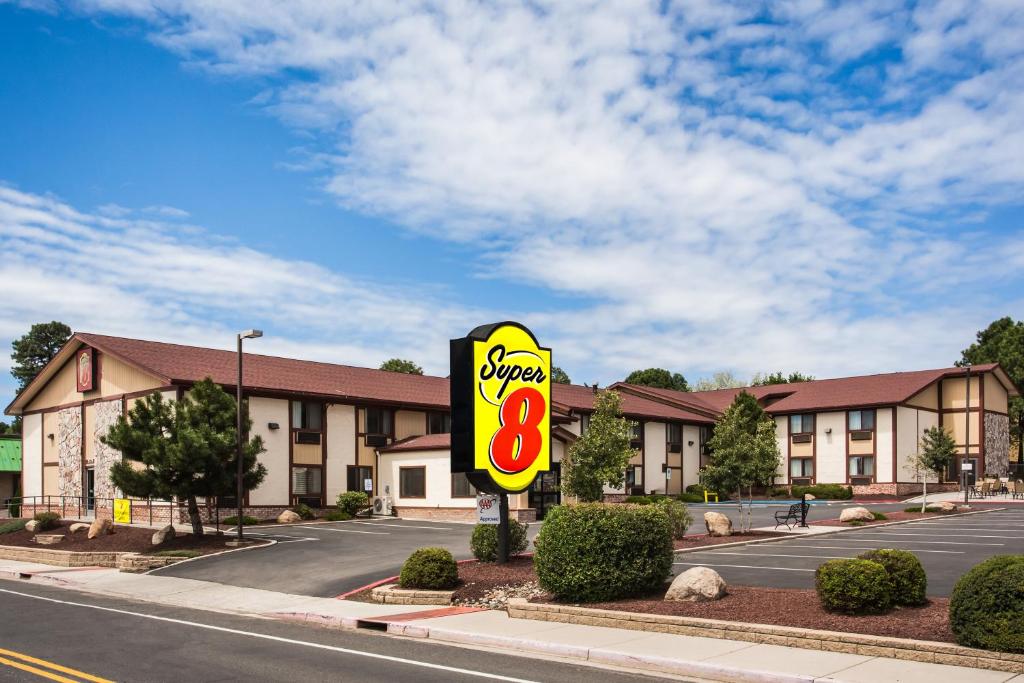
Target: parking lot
<point x="327" y="559"/>
<point x="946" y="546"/>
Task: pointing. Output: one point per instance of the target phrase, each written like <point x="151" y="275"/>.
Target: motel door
<point x="546" y="490"/>
<point x="90" y="489"/>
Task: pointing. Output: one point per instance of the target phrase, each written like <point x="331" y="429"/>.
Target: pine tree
<point x="599" y="457"/>
<point x="188" y="448"/>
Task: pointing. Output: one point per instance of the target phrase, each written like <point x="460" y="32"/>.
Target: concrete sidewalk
<point x="706" y="658"/>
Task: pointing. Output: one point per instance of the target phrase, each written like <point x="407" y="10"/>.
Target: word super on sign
<point x="501" y="405"/>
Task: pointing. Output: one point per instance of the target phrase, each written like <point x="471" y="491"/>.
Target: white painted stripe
<point x="277" y="639"/>
<point x="346" y="531"/>
<point x="932" y="534"/>
<point x="402" y="526"/>
<point x="908" y="540"/>
<point x="876" y="547"/>
<point x="744" y="566"/>
<point x="813" y="557"/>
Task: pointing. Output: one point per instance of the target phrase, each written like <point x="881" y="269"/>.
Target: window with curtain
<point x="412" y="482"/>
<point x="861" y="420"/>
<point x="801" y="424"/>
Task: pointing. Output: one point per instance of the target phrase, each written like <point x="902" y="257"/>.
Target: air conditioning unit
<point x="382" y="506"/>
<point x="376" y="440"/>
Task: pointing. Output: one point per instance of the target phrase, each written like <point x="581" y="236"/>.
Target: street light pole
<point x="239" y="436"/>
<point x="967" y="435"/>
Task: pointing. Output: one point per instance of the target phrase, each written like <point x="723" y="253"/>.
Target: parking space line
<point x="876" y="547"/>
<point x="404" y="526"/>
<point x="346" y="531"/>
<point x="744" y="566"/>
<point x="813" y="557"/>
<point x="886" y="538"/>
<point x="930" y="534"/>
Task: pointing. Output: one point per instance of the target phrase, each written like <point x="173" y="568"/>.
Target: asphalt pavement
<point x="946" y="546"/>
<point x="103" y="638"/>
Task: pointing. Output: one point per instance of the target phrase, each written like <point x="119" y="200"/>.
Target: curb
<point x="837" y="530"/>
<point x="265" y="544"/>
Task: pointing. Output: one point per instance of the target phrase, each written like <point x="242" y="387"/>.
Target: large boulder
<point x="100" y="527"/>
<point x="78" y="526"/>
<point x="288" y="517"/>
<point x="717" y="524"/>
<point x="809" y="496"/>
<point x="697" y="584"/>
<point x="856" y="514"/>
<point x="165" y="534"/>
<point x="32" y="526"/>
<point x="946" y="506"/>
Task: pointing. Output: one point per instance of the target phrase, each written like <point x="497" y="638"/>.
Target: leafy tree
<point x="37" y="348"/>
<point x="559" y="376"/>
<point x="401" y="365"/>
<point x="600" y="456"/>
<point x="5" y="428"/>
<point x="658" y="378"/>
<point x="760" y="380"/>
<point x="1003" y="342"/>
<point x="188" y="448"/>
<point x="935" y="452"/>
<point x="744" y="451"/>
<point x="720" y="380"/>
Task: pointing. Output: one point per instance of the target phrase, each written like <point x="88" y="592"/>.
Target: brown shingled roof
<point x="426" y="442"/>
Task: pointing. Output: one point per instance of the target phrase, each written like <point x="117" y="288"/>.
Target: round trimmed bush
<point x="47" y="520"/>
<point x="429" y="569"/>
<point x="304" y="511"/>
<point x="678" y="516"/>
<point x="594" y="551"/>
<point x="986" y="609"/>
<point x="484" y="542"/>
<point x="352" y="502"/>
<point x="909" y="582"/>
<point x="853" y="586"/>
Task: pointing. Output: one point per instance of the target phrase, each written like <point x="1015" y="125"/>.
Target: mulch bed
<point x="123" y="539"/>
<point x="700" y="540"/>
<point x="800" y="608"/>
<point x="890" y="517"/>
<point x="479" y="577"/>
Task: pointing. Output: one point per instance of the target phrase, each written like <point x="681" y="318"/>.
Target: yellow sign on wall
<point x="501" y="405"/>
<point x="122" y="511"/>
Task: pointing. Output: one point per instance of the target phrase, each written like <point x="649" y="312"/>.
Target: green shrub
<point x="352" y="502"/>
<point x="853" y="586"/>
<point x="177" y="553"/>
<point x="930" y="508"/>
<point x="690" y="497"/>
<point x="429" y="569"/>
<point x="856" y="522"/>
<point x="696" y="488"/>
<point x="304" y="511"/>
<point x="639" y="500"/>
<point x="879" y="517"/>
<point x="825" y="491"/>
<point x="14" y="504"/>
<point x="909" y="582"/>
<point x="986" y="609"/>
<point x="484" y="542"/>
<point x="12" y="526"/>
<point x="678" y="516"/>
<point x="337" y="516"/>
<point x="47" y="520"/>
<point x="594" y="552"/>
<point x="246" y="520"/>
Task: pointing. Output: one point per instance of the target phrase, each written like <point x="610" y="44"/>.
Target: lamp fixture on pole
<point x="239" y="436"/>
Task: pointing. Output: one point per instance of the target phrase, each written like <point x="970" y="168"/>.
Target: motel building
<point x="333" y="428"/>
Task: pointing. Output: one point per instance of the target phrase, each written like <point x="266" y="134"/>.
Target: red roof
<point x="427" y="442"/>
<point x="581" y="399"/>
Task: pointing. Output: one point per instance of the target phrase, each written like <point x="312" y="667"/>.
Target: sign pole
<point x="503" y="528"/>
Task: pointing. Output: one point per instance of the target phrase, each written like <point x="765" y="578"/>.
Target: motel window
<point x="633" y="478"/>
<point x="306" y="482"/>
<point x="378" y="421"/>
<point x="461" y="488"/>
<point x="862" y="466"/>
<point x="307" y="415"/>
<point x="357" y="478"/>
<point x="412" y="482"/>
<point x="801" y="424"/>
<point x="861" y="420"/>
<point x="584" y="423"/>
<point x="635" y="431"/>
<point x="439" y="423"/>
<point x="674" y="437"/>
<point x="705" y="437"/>
<point x="801" y="468"/>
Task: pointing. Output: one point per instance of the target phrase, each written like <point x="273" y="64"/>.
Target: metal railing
<point x="146" y="511"/>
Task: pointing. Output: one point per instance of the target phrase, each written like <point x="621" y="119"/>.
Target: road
<point x="112" y="639"/>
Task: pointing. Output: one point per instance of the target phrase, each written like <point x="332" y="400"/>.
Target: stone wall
<point x="456" y="514"/>
<point x="997" y="444"/>
<point x="69" y="451"/>
<point x="106" y="415"/>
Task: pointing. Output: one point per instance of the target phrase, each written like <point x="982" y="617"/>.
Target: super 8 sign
<point x="501" y="407"/>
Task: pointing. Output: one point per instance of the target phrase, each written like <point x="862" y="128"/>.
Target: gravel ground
<point x="123" y="539"/>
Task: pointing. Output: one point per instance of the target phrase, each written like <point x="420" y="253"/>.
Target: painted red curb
<point x="426" y="614"/>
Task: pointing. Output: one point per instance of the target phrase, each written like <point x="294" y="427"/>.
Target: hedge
<point x="429" y="569"/>
<point x="337" y="516"/>
<point x="986" y="608"/>
<point x="594" y="552"/>
<point x="304" y="511"/>
<point x="909" y="582"/>
<point x="825" y="491"/>
<point x="484" y="541"/>
<point x="352" y="502"/>
<point x="246" y="520"/>
<point x="853" y="586"/>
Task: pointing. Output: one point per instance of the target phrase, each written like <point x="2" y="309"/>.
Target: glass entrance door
<point x="90" y="490"/>
<point x="546" y="490"/>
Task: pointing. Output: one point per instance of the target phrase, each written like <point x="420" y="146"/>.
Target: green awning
<point x="10" y="455"/>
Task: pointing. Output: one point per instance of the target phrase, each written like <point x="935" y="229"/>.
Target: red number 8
<point x="518" y="428"/>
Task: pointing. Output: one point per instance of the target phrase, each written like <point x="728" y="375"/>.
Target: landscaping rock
<point x="810" y="496"/>
<point x="78" y="526"/>
<point x="32" y="526"/>
<point x="857" y="513"/>
<point x="717" y="524"/>
<point x="697" y="584"/>
<point x="100" y="527"/>
<point x="946" y="506"/>
<point x="165" y="534"/>
<point x="288" y="517"/>
<point x="48" y="539"/>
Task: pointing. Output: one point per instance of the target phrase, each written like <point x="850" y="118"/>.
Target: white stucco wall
<point x="341" y="449"/>
<point x="32" y="455"/>
<point x="691" y="455"/>
<point x="782" y="438"/>
<point x="274" y="489"/>
<point x="830" y="467"/>
<point x="438" y="479"/>
<point x="910" y="426"/>
<point x="654" y="456"/>
<point x="883" y="445"/>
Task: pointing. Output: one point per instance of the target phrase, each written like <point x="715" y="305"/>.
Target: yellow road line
<point x="49" y="665"/>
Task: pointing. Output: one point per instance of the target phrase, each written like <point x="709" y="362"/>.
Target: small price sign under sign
<point x="122" y="511"/>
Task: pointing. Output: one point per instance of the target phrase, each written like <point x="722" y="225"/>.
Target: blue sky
<point x="826" y="187"/>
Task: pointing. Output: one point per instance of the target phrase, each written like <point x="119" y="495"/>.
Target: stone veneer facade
<point x="997" y="444"/>
<point x="106" y="415"/>
<point x="69" y="451"/>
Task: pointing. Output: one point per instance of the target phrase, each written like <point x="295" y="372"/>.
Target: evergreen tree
<point x="559" y="376"/>
<point x="744" y="451"/>
<point x="599" y="457"/>
<point x="1003" y="342"/>
<point x="760" y="380"/>
<point x="35" y="349"/>
<point x="658" y="378"/>
<point x="400" y="365"/>
<point x="188" y="448"/>
<point x="937" y="450"/>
